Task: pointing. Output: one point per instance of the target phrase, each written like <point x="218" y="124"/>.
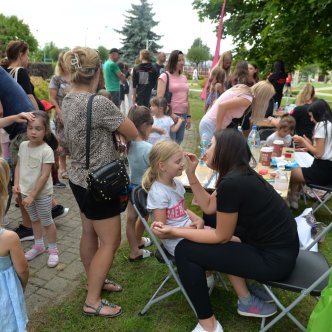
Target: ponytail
<point x="148" y="178"/>
<point x="4" y="179"/>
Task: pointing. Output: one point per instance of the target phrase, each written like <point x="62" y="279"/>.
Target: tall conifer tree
<point x="137" y="31"/>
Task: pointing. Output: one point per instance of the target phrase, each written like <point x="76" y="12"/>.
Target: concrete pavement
<point x="50" y="285"/>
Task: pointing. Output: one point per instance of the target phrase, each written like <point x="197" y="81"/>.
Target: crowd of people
<point x="247" y="230"/>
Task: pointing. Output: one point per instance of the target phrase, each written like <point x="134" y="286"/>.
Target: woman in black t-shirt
<point x="267" y="247"/>
<point x="15" y="64"/>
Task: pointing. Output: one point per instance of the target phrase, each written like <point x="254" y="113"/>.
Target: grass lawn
<point x="173" y="314"/>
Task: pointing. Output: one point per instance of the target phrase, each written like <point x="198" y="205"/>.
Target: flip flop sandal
<point x="146" y="254"/>
<point x="117" y="288"/>
<point x="64" y="175"/>
<point x="147" y="243"/>
<point x="96" y="312"/>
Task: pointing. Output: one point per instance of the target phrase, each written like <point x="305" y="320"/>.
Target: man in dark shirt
<point x="144" y="79"/>
<point x="160" y="68"/>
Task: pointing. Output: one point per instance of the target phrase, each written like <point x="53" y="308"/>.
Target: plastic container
<point x="280" y="180"/>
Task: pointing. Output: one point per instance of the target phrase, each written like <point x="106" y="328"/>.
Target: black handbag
<point x="109" y="181"/>
<point x="168" y="94"/>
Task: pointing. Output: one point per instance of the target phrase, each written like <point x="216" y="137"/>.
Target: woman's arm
<point x="128" y="130"/>
<point x="34" y="102"/>
<point x="19" y="261"/>
<point x="52" y="93"/>
<point x="317" y="150"/>
<point x="226" y="223"/>
<point x="206" y="201"/>
<point x="23" y="117"/>
<point x="161" y="88"/>
<point x="224" y="107"/>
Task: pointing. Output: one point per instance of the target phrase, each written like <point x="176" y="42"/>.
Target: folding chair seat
<point x="139" y="197"/>
<point x="309" y="276"/>
<point x="265" y="133"/>
<point x="321" y="201"/>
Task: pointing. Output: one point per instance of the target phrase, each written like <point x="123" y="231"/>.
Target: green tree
<point x="11" y="28"/>
<point x="198" y="52"/>
<point x="137" y="31"/>
<point x="103" y="53"/>
<point x="297" y="31"/>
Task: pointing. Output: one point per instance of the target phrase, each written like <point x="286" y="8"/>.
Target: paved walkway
<point x="47" y="285"/>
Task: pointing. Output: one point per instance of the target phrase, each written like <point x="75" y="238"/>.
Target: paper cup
<point x="266" y="155"/>
<point x="277" y="148"/>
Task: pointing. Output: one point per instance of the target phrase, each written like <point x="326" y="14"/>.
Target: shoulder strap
<point x="167" y="81"/>
<point x="88" y="130"/>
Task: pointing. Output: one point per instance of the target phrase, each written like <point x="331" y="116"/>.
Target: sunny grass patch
<point x="173" y="314"/>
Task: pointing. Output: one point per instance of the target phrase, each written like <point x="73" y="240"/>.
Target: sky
<point x="80" y="23"/>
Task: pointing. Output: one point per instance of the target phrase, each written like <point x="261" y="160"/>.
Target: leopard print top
<point x="106" y="118"/>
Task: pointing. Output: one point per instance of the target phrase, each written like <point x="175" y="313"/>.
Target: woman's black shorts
<point x="91" y="208"/>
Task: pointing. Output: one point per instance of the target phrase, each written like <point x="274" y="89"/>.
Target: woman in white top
<point x="320" y="172"/>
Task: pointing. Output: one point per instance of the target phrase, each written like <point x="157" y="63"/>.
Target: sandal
<point x="64" y="175"/>
<point x="96" y="312"/>
<point x="147" y="243"/>
<point x="145" y="254"/>
<point x="116" y="287"/>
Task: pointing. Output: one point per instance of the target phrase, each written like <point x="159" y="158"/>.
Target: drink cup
<point x="266" y="155"/>
<point x="277" y="147"/>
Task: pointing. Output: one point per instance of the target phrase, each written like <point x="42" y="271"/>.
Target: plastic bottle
<point x="276" y="106"/>
<point x="254" y="143"/>
<point x="203" y="147"/>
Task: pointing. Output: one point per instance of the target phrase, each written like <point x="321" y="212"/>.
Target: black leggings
<point x="240" y="259"/>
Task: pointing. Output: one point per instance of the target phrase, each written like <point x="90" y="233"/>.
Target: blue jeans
<point x="14" y="100"/>
<point x="179" y="135"/>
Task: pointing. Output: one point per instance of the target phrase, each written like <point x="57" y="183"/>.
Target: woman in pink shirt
<point x="178" y="86"/>
<point x="233" y="104"/>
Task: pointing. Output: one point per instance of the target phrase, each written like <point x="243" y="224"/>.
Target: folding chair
<point x="265" y="133"/>
<point x="309" y="276"/>
<point x="321" y="201"/>
<point x="139" y="197"/>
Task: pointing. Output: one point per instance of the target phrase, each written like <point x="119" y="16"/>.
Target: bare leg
<point x="26" y="221"/>
<point x="239" y="285"/>
<point x="296" y="180"/>
<point x="62" y="164"/>
<point x="109" y="234"/>
<point x="37" y="229"/>
<point x="139" y="229"/>
<point x="130" y="231"/>
<point x="50" y="231"/>
<point x="88" y="243"/>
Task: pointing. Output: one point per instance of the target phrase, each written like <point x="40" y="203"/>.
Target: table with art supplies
<point x="277" y="170"/>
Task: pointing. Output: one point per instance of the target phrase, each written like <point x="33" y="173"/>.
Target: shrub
<point x="41" y="87"/>
<point x="202" y="82"/>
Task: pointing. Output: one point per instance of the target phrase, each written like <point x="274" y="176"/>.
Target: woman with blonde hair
<point x="235" y="104"/>
<point x="58" y="88"/>
<point x="101" y="223"/>
<point x="225" y="62"/>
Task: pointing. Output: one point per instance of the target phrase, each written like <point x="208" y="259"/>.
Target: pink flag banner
<point x="217" y="50"/>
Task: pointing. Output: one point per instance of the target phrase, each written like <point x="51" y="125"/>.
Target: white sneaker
<point x="210" y="281"/>
<point x="199" y="328"/>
